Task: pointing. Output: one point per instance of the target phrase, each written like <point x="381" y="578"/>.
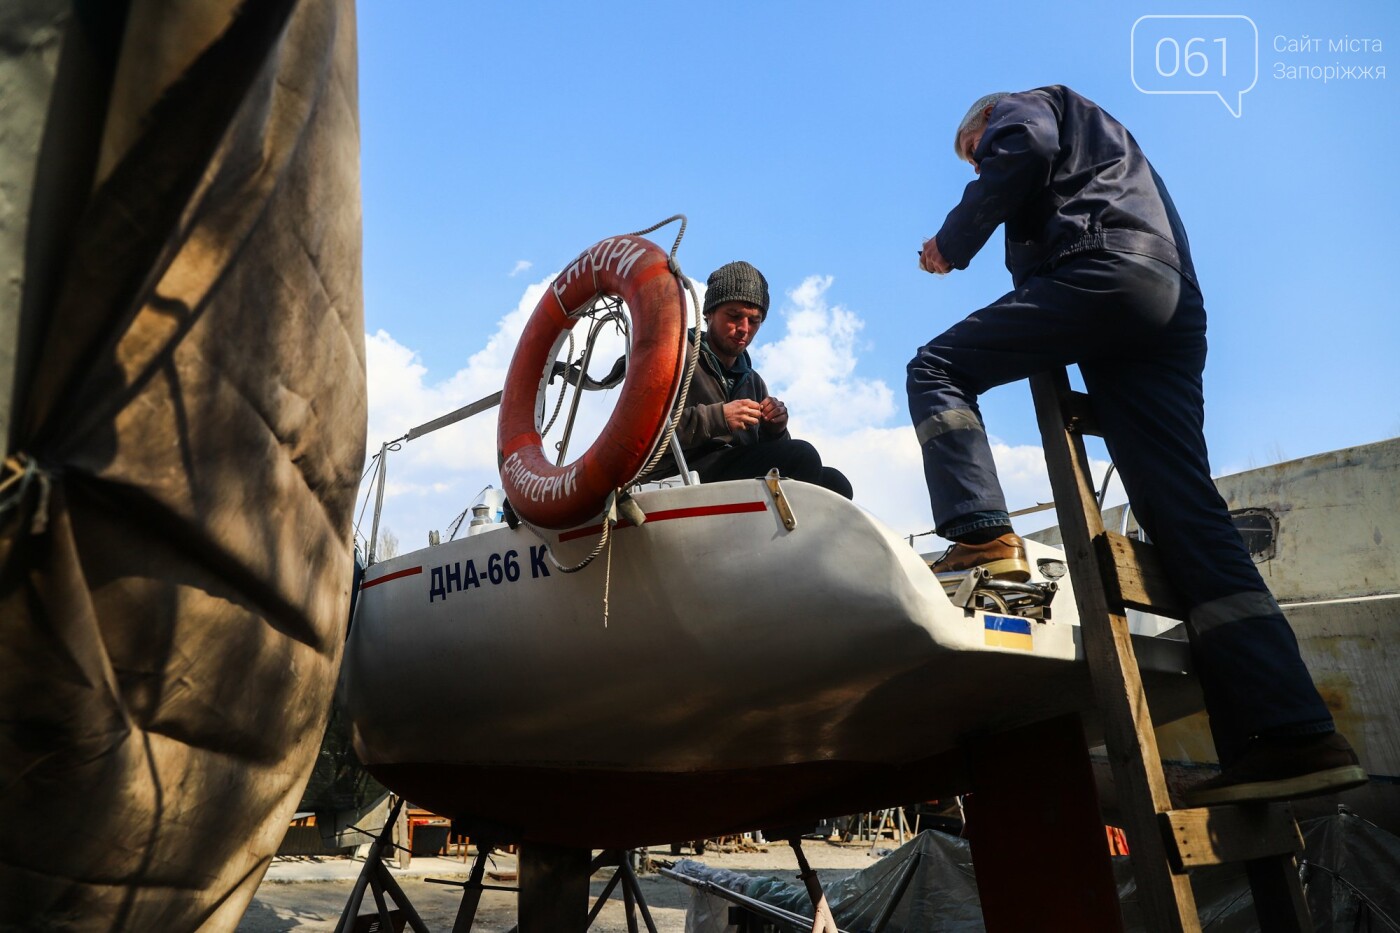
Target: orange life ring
<point x="557" y="497"/>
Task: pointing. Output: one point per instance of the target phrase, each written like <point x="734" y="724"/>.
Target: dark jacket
<point x="703" y="430"/>
<point x="1066" y="178"/>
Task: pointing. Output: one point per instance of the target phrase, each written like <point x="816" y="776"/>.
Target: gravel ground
<point x="308" y="895"/>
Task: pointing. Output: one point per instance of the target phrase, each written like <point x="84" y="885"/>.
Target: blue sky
<point x="814" y="140"/>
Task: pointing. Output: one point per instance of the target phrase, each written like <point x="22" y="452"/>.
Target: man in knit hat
<point x="731" y="427"/>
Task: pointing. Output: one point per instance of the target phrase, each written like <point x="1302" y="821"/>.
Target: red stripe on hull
<point x="391" y="576"/>
<point x="668" y="514"/>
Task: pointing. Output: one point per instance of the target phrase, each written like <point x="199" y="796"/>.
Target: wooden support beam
<point x="1038" y="844"/>
<point x="553" y="889"/>
<point x="1279" y="903"/>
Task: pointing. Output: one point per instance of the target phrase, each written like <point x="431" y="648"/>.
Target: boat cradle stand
<point x="552" y="894"/>
<point x="375" y="877"/>
<point x="554" y="890"/>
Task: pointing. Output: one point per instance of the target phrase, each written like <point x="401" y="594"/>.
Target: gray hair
<point x="975" y="118"/>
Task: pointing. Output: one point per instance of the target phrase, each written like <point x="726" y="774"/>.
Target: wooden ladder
<point x="1110" y="574"/>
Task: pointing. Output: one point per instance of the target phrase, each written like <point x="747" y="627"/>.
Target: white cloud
<point x="433" y="478"/>
<point x="812" y="365"/>
<point x="808" y="353"/>
<point x="521" y="265"/>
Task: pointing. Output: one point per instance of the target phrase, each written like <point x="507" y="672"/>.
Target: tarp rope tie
<point x="20" y="472"/>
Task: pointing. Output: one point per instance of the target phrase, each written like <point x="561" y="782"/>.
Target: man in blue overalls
<point x="1103" y="278"/>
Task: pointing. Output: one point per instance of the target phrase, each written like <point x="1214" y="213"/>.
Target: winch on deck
<point x="977" y="589"/>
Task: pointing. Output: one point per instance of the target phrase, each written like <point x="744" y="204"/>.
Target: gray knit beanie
<point x="736" y="281"/>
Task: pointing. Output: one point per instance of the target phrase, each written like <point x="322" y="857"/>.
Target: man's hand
<point x="931" y="260"/>
<point x="742" y="413"/>
<point x="775" y="416"/>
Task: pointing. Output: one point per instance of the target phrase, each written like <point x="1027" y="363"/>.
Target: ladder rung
<point x="1078" y="413"/>
<point x="1239" y="833"/>
<point x="1137" y="574"/>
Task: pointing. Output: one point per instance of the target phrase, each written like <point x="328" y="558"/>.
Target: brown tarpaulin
<point x="184" y="397"/>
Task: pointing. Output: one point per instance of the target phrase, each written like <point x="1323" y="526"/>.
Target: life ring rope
<point x="692" y="357"/>
<point x="605" y="532"/>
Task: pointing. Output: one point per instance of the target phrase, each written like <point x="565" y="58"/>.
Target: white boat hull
<point x="746" y="675"/>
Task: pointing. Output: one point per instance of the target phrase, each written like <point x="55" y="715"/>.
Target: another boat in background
<point x="1325" y="532"/>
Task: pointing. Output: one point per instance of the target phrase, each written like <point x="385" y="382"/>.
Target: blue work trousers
<point x="1137" y="330"/>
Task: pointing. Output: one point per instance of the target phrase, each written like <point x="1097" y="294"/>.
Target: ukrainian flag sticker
<point x="1007" y="632"/>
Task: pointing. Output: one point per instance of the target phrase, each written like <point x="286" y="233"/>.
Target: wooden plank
<point x="1216" y="835"/>
<point x="1136" y="574"/>
<point x="1168" y="903"/>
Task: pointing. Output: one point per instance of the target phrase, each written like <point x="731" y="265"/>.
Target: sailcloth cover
<point x="183" y="394"/>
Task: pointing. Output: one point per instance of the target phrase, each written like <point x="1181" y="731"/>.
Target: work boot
<point x="1283" y="768"/>
<point x="1004" y="558"/>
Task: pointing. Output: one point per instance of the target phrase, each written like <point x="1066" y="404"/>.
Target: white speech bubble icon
<point x="1174" y="53"/>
